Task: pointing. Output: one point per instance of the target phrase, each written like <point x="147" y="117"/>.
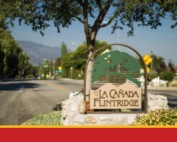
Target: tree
<point x="158" y="64"/>
<point x="77" y="59"/>
<point x="23" y="65"/>
<point x="13" y="61"/>
<point x="63" y="54"/>
<point x="161" y="69"/>
<point x="92" y="14"/>
<point x="80" y="54"/>
<point x="167" y="75"/>
<point x="171" y="67"/>
<point x="63" y="49"/>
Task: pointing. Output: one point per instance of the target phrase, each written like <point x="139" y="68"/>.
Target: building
<point x="176" y="72"/>
<point x="157" y="82"/>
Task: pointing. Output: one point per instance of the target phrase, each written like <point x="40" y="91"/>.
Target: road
<point x="21" y="100"/>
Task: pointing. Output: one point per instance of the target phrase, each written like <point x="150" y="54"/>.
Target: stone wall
<point x="73" y="112"/>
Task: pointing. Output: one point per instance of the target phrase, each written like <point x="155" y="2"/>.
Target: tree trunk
<point x="90" y="34"/>
<point x="90" y="46"/>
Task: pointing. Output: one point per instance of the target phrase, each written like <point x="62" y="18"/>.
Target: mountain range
<point x="39" y="52"/>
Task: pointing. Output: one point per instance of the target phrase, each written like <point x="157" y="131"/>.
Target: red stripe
<point x="87" y="134"/>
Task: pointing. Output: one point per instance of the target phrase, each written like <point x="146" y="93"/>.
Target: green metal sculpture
<point x="116" y="64"/>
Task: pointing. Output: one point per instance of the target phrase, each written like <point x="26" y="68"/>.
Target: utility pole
<point x="53" y="66"/>
<point x="152" y="61"/>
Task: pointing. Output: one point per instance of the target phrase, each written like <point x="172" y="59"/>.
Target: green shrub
<point x="158" y="117"/>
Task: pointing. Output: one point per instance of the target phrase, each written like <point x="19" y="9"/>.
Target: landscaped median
<point x="153" y="118"/>
<point x="72" y="113"/>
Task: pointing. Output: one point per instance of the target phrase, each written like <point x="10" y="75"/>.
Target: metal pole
<point x="71" y="72"/>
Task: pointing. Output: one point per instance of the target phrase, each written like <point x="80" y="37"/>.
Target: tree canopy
<point x="94" y="15"/>
<point x="13" y="62"/>
<point x="77" y="59"/>
<point x="161" y="69"/>
<point x="63" y="49"/>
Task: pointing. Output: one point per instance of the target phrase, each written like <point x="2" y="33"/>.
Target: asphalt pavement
<point x="20" y="100"/>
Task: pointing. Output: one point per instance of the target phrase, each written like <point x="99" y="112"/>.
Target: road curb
<point x="163" y="88"/>
<point x="72" y="80"/>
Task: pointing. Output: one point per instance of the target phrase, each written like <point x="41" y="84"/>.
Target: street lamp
<point x="53" y="66"/>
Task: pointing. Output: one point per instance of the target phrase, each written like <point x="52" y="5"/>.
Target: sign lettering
<point x="110" y="96"/>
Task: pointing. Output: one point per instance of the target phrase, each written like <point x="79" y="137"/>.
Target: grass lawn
<point x="49" y="119"/>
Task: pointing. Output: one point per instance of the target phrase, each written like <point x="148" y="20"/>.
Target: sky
<point x="162" y="41"/>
